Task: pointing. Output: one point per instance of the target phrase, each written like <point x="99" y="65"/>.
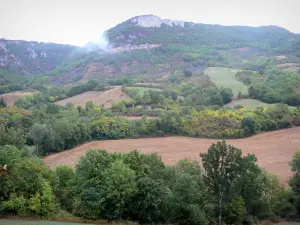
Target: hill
<point x="30" y="57"/>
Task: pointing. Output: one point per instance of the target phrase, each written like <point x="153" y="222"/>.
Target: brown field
<point x="10" y="98"/>
<point x="97" y="97"/>
<point x="274" y="150"/>
<point x="138" y="117"/>
<point x="289" y="67"/>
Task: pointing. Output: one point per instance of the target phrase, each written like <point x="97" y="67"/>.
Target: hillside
<point x="30" y="57"/>
<point x="148" y="49"/>
<point x="151" y="29"/>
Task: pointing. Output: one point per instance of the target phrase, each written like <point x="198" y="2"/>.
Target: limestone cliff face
<point x="155" y="21"/>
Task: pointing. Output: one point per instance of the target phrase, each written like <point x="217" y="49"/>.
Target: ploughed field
<point x="97" y="97"/>
<point x="10" y="98"/>
<point x="274" y="150"/>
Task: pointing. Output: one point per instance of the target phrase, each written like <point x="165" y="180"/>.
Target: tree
<point x="249" y="126"/>
<point x="31" y="192"/>
<point x="236" y="211"/>
<point x="9" y="155"/>
<point x="148" y="204"/>
<point x="226" y="94"/>
<point x="187" y="73"/>
<point x="222" y="167"/>
<point x="11" y="136"/>
<point x="119" y="185"/>
<point x="2" y="103"/>
<point x="63" y="186"/>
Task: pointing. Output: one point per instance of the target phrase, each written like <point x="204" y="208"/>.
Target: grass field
<point x="23" y="222"/>
<point x="274" y="150"/>
<point x="97" y="97"/>
<point x="225" y="77"/>
<point x="251" y="104"/>
<point x="144" y="89"/>
<point x="247" y="103"/>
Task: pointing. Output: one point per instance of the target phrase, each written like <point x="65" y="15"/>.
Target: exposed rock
<point x="2" y="45"/>
<point x="44" y="54"/>
<point x="155" y="21"/>
<point x="130" y="47"/>
<point x="32" y="53"/>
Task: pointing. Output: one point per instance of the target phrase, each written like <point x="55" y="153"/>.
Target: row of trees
<point x="230" y="188"/>
<point x="53" y="128"/>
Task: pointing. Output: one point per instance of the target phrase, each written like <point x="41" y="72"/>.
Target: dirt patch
<point x="280" y="57"/>
<point x="274" y="150"/>
<point x="244" y="49"/>
<point x="105" y="98"/>
<point x="10" y="98"/>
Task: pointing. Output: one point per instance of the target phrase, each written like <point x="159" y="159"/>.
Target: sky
<point x="78" y="21"/>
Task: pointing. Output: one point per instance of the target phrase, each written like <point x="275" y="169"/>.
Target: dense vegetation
<point x="272" y="86"/>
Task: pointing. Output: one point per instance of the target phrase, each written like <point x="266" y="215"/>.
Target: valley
<point x="165" y="122"/>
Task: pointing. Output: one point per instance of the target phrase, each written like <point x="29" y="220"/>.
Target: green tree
<point x="295" y="179"/>
<point x="9" y="155"/>
<point x="30" y="185"/>
<point x="222" y="169"/>
<point x="63" y="186"/>
<point x="11" y="136"/>
<point x="149" y="203"/>
<point x="236" y="211"/>
<point x="119" y="185"/>
<point x="2" y="103"/>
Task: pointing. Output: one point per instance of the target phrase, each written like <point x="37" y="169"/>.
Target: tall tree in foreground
<point x="222" y="164"/>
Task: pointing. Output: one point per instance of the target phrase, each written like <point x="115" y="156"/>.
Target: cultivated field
<point x="10" y="98"/>
<point x="225" y="77"/>
<point x="289" y="67"/>
<point x="274" y="150"/>
<point x="247" y="103"/>
<point x="97" y="97"/>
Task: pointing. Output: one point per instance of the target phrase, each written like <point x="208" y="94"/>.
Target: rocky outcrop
<point x="130" y="47"/>
<point x="155" y="21"/>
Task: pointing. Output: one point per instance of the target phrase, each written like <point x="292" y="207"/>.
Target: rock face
<point x="155" y="21"/>
<point x="130" y="47"/>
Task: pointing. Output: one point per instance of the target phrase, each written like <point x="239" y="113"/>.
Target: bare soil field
<point x="97" y="97"/>
<point x="274" y="150"/>
<point x="288" y="67"/>
<point x="10" y="98"/>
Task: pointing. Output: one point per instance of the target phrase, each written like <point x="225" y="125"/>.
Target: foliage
<point x="63" y="186"/>
<point x="272" y="86"/>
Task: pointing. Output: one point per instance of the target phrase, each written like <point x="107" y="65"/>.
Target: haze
<point x="77" y="22"/>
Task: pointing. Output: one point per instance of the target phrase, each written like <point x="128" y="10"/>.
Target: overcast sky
<point x="79" y="21"/>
